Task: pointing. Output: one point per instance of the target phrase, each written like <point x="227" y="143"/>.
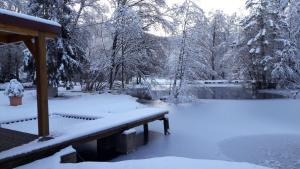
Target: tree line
<point x="109" y="43"/>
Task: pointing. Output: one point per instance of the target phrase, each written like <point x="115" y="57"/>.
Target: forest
<point x="107" y="44"/>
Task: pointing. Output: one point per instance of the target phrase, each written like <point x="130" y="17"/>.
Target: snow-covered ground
<point x="263" y="132"/>
<point x="76" y="103"/>
<point x="154" y="163"/>
<point x="109" y="111"/>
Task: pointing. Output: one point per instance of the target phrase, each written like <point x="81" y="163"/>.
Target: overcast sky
<point x="228" y="6"/>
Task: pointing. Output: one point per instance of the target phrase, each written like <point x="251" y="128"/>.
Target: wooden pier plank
<point x="10" y="138"/>
<point x="21" y="159"/>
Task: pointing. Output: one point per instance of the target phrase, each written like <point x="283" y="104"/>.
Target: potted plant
<point x="15" y="91"/>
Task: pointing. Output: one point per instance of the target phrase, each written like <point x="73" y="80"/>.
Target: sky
<point x="228" y="6"/>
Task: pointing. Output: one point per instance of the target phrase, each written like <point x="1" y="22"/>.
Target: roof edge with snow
<point x="29" y="22"/>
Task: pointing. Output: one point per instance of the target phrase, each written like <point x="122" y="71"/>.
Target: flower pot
<point x="15" y="100"/>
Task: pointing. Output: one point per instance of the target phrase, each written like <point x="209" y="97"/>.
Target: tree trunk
<point x="17" y="69"/>
<point x="213" y="51"/>
<point x="113" y="64"/>
<point x="122" y="74"/>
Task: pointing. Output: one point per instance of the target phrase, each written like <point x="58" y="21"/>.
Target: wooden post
<point x="146" y="133"/>
<point x="166" y="126"/>
<point x="42" y="85"/>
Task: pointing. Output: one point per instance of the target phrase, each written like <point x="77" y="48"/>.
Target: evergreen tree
<point x="271" y="54"/>
<point x="64" y="55"/>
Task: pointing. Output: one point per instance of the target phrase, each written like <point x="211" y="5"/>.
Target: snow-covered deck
<point x="118" y="113"/>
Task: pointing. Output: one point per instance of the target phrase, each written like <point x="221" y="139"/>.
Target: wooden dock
<point x="36" y="154"/>
<point x="10" y="139"/>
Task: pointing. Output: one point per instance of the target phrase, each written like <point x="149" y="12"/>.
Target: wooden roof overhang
<point x="16" y="27"/>
<point x="33" y="31"/>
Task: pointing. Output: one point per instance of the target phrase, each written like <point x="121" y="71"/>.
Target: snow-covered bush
<point x="15" y="88"/>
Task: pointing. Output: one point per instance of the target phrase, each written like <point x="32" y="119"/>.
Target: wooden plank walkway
<point x="10" y="139"/>
<point x="21" y="159"/>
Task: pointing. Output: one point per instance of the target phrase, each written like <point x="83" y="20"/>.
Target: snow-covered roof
<point x="29" y="17"/>
<point x="27" y="22"/>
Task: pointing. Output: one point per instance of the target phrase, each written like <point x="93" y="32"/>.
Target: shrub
<point x="15" y="88"/>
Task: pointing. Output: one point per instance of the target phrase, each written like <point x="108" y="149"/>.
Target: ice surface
<point x="229" y="130"/>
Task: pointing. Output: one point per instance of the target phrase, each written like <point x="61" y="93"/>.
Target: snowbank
<point x="154" y="163"/>
<point x="165" y="163"/>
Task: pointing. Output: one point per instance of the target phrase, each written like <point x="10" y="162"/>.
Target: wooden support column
<point x="166" y="126"/>
<point x="146" y="133"/>
<point x="42" y="85"/>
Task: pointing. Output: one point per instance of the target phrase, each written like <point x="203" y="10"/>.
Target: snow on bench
<point x="75" y="132"/>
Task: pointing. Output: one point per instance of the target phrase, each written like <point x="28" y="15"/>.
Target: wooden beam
<point x="42" y="85"/>
<point x="18" y="30"/>
<point x="51" y="35"/>
<point x="30" y="24"/>
<point x="18" y="38"/>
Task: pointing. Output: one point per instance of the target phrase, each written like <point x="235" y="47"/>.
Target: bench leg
<point x="146" y="133"/>
<point x="166" y="126"/>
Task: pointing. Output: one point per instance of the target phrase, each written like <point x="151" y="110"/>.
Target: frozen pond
<point x="264" y="132"/>
<point x="276" y="151"/>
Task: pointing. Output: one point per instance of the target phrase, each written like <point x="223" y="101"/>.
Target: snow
<point x="3" y="86"/>
<point x="130" y="131"/>
<point x="250" y="24"/>
<point x="28" y="17"/>
<point x="157" y="163"/>
<point x="73" y="103"/>
<point x="111" y="110"/>
<point x="52" y="162"/>
<point x="250" y="42"/>
<point x="271" y="22"/>
<point x="257" y="50"/>
<point x="14" y="88"/>
<point x="254" y="131"/>
<point x="222" y="130"/>
<point x="55" y="124"/>
<point x="82" y="129"/>
<point x="263" y="32"/>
